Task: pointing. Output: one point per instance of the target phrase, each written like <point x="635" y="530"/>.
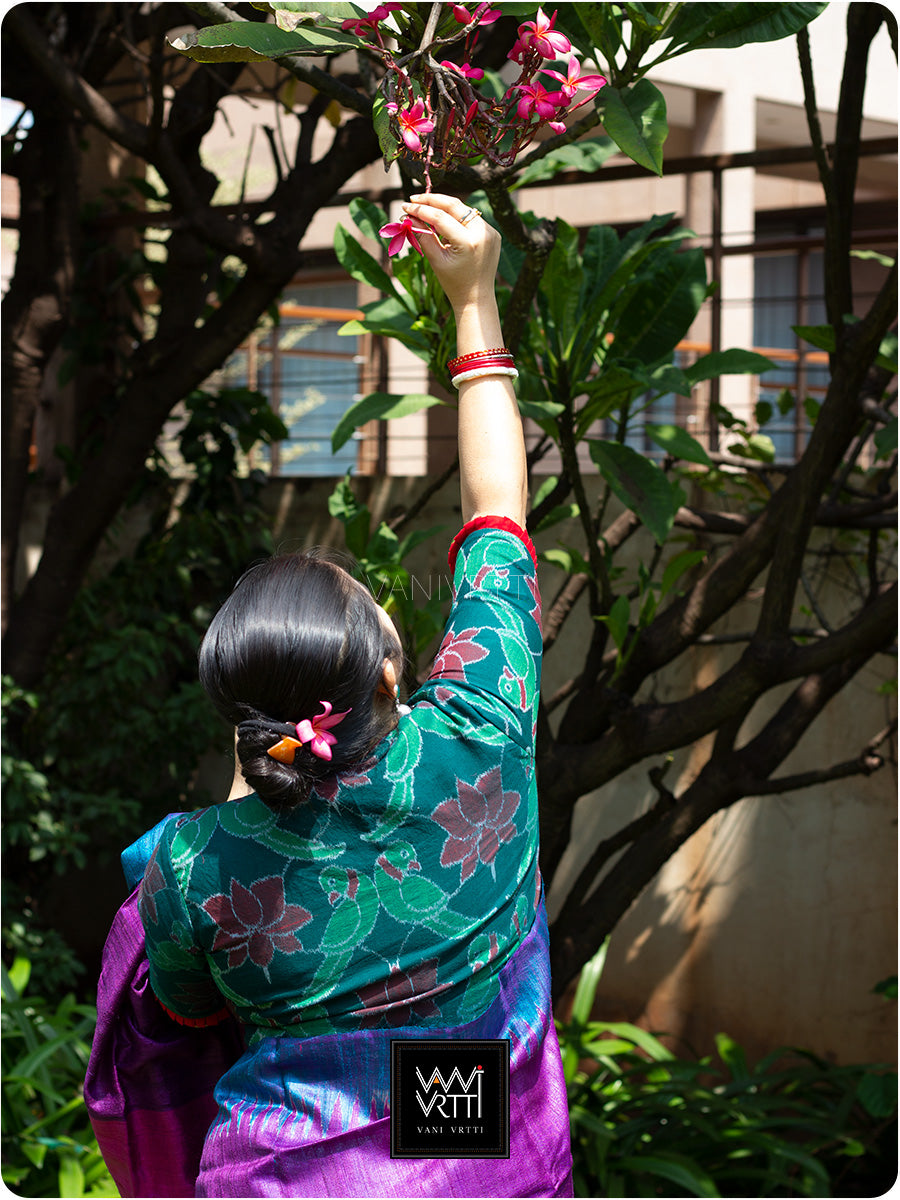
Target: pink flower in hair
<point x="315" y="732"/>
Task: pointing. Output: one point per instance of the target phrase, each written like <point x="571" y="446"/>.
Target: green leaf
<point x="660" y="311"/>
<point x="255" y="41"/>
<point x="381" y="119"/>
<point x="378" y="406"/>
<point x="820" y="336"/>
<point x="757" y="446"/>
<point x="679" y="443"/>
<point x="686" y="1173"/>
<point x="878" y="1094"/>
<point x="677" y="567"/>
<point x="588" y="981"/>
<point x="616" y="621"/>
<point x="636" y="121"/>
<point x="728" y="362"/>
<point x="367" y="217"/>
<point x="732" y="1055"/>
<point x="886" y="439"/>
<point x="584" y="156"/>
<point x="639" y="484"/>
<point x="70" y="1176"/>
<point x="724" y="26"/>
<point x="359" y="263"/>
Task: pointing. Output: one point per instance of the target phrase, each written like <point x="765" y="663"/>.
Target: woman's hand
<point x="465" y="259"/>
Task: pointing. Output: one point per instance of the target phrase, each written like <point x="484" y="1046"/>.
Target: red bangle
<point x="461" y="358"/>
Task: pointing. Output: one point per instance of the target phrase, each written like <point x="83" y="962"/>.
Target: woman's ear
<point x="389" y="679"/>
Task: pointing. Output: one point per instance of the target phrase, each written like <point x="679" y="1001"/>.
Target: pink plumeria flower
<point x="413" y="122"/>
<point x="316" y="731"/>
<point x="536" y="99"/>
<point x="557" y="126"/>
<point x="364" y="24"/>
<point x="574" y="81"/>
<point x="463" y="15"/>
<point x="400" y="232"/>
<point x="540" y="35"/>
<point x="475" y="73"/>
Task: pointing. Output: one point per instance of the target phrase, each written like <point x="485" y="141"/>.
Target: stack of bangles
<point x="481" y="363"/>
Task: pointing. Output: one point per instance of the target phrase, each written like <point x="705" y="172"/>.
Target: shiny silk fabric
<point x="181" y="1111"/>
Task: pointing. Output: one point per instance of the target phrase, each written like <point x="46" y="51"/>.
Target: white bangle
<point x="484" y="373"/>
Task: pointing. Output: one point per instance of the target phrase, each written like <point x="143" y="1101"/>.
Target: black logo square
<point x="449" y="1098"/>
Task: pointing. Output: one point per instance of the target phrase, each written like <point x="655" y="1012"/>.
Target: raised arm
<point x="491" y="444"/>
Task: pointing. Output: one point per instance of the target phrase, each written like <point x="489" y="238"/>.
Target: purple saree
<point x="182" y="1111"/>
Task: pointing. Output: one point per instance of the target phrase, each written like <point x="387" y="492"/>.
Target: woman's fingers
<point x="465" y="257"/>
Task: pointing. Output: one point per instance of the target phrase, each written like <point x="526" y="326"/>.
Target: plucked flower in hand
<point x="400" y="232"/>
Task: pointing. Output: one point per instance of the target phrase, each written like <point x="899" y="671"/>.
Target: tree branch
<point x="219" y="14"/>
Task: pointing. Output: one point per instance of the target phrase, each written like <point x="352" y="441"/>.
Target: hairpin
<point x="314" y="733"/>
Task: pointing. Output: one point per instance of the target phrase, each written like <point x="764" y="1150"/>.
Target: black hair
<point x="297" y="630"/>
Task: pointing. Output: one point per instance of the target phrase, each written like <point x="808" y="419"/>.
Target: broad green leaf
<point x="678" y="566"/>
<point x="763" y="412"/>
<point x="887" y="354"/>
<point x="388" y="317"/>
<point x="724" y="26"/>
<point x="544" y="490"/>
<point x="820" y="336"/>
<point x="639" y="484"/>
<point x="636" y="121"/>
<point x="757" y="446"/>
<point x="560" y="289"/>
<point x="381" y="120"/>
<point x="878" y="1094"/>
<point x="610" y="389"/>
<point x="367" y="217"/>
<point x="728" y="362"/>
<point x="70" y="1176"/>
<point x="687" y="1174"/>
<point x="584" y="156"/>
<point x="378" y="406"/>
<point x="254" y="41"/>
<point x="616" y="621"/>
<point x="560" y="512"/>
<point x="359" y="263"/>
<point x="886" y="439"/>
<point x="679" y="443"/>
<point x="659" y="313"/>
<point x="541" y="410"/>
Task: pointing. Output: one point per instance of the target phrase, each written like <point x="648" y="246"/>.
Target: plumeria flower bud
<point x="464" y="68"/>
<point x="463" y="16"/>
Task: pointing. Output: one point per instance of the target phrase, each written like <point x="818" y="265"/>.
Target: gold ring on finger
<point x="470" y="215"/>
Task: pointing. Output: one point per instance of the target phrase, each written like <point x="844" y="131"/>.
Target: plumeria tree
<point x="475" y="99"/>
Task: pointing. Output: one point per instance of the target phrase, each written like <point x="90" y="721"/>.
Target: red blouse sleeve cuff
<point x="198" y="1022"/>
<point x="504" y="523"/>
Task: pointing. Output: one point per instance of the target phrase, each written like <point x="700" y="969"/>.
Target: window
<point x="310" y="375"/>
<point x="789" y="290"/>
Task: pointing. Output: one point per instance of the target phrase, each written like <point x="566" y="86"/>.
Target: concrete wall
<point x="774" y="921"/>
